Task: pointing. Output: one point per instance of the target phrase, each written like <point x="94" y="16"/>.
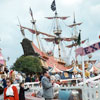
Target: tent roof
<point x="74" y="69"/>
<point x="94" y="69"/>
<point x="54" y="70"/>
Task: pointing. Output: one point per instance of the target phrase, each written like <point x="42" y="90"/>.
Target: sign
<point x="87" y="50"/>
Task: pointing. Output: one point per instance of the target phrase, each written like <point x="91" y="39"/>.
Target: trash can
<point x="64" y="94"/>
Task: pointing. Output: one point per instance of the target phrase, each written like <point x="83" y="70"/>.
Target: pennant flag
<point x="21" y="29"/>
<point x="31" y="12"/>
<point x="53" y="6"/>
<point x="79" y="39"/>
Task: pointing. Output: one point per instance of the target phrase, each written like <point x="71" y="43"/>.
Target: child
<point x="22" y="91"/>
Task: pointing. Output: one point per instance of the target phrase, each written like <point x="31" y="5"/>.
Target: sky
<point x="86" y="11"/>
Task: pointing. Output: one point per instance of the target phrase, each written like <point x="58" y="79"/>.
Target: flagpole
<point x="83" y="69"/>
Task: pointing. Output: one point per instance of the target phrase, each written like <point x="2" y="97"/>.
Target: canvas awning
<point x="74" y="69"/>
<point x="54" y="70"/>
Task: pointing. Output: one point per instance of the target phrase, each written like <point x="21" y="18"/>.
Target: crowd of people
<point x="45" y="79"/>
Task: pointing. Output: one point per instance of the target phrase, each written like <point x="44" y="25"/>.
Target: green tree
<point x="28" y="64"/>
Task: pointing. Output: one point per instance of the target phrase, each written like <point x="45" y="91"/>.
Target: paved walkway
<point x="1" y="97"/>
<point x="29" y="98"/>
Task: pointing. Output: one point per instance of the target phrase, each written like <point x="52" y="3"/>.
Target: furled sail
<point x="75" y="44"/>
<point x="56" y="40"/>
<point x="62" y="18"/>
<point x="37" y="32"/>
<point x="75" y="24"/>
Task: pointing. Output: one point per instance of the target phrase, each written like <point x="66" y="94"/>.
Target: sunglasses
<point x="8" y="82"/>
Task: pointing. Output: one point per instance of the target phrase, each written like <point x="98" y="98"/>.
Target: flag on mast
<point x="53" y="6"/>
<point x="79" y="39"/>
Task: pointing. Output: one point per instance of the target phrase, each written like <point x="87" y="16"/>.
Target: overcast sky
<point x="86" y="11"/>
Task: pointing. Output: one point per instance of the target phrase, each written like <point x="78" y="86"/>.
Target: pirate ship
<point x="48" y="59"/>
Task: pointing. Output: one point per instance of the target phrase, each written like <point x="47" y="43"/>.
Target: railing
<point x="90" y="91"/>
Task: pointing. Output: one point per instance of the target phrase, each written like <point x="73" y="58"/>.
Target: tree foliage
<point x="28" y="64"/>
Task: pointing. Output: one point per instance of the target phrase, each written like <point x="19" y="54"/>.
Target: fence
<point x="90" y="91"/>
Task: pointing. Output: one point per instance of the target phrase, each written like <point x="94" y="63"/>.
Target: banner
<point x="87" y="50"/>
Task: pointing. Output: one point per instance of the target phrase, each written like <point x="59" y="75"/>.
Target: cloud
<point x="87" y="11"/>
<point x="70" y="2"/>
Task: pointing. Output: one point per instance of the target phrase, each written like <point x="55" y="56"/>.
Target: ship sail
<point x="75" y="44"/>
<point x="75" y="24"/>
<point x="59" y="39"/>
<point x="37" y="32"/>
<point x="62" y="18"/>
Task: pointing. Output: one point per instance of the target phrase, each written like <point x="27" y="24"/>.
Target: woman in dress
<point x="10" y="92"/>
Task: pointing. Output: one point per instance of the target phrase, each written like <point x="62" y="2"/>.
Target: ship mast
<point x="57" y="32"/>
<point x="75" y="34"/>
<point x="74" y="22"/>
<point x="33" y="22"/>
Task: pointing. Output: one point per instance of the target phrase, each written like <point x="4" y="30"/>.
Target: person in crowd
<point x="40" y="92"/>
<point x="28" y="79"/>
<point x="73" y="82"/>
<point x="12" y="75"/>
<point x="20" y="78"/>
<point x="10" y="92"/>
<point x="22" y="91"/>
<point x="37" y="79"/>
<point x="78" y="75"/>
<point x="32" y="78"/>
<point x="57" y="76"/>
<point x="58" y="82"/>
<point x="91" y="74"/>
<point x="87" y="74"/>
<point x="4" y="81"/>
<point x="62" y="75"/>
<point x="6" y="70"/>
<point x="73" y="75"/>
<point x="40" y="78"/>
<point x="1" y="93"/>
<point x="52" y="77"/>
<point x="0" y="80"/>
<point x="1" y="90"/>
<point x="1" y="68"/>
<point x="47" y="85"/>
